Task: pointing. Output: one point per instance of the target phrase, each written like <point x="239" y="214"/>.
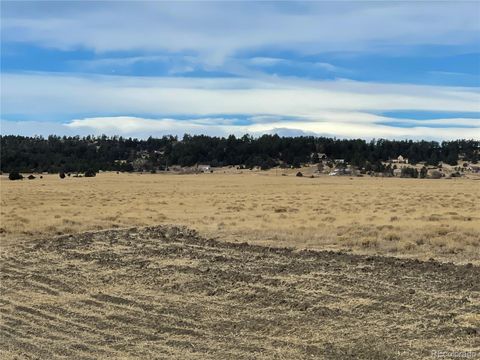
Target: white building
<point x="399" y="160"/>
<point x="204" y="168"/>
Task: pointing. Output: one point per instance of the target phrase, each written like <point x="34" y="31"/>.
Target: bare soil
<point x="165" y="292"/>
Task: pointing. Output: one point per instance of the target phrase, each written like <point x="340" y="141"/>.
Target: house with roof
<point x="399" y="160"/>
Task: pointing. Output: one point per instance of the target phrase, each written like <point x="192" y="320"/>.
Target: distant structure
<point x="399" y="160"/>
<point x="204" y="168"/>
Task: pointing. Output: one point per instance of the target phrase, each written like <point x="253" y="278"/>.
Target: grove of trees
<point x="79" y="154"/>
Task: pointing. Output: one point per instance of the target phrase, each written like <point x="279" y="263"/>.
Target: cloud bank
<point x="308" y="27"/>
<point x="213" y="105"/>
<point x="256" y="77"/>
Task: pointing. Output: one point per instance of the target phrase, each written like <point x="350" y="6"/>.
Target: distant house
<point x="204" y="168"/>
<point x="399" y="160"/>
<point x="339" y="161"/>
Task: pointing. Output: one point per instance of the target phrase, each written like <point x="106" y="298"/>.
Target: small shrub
<point x="369" y="243"/>
<point x="435" y="174"/>
<point x="420" y="241"/>
<point x="409" y="172"/>
<point x="62" y="175"/>
<point x="392" y="237"/>
<point x="15" y="176"/>
<point x="409" y="246"/>
<point x="423" y="172"/>
<point x="299" y="174"/>
<point x="31" y="177"/>
<point x="90" y="173"/>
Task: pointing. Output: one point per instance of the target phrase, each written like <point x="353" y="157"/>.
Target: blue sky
<point x="345" y="69"/>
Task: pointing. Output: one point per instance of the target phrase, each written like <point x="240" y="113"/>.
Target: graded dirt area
<point x="388" y="216"/>
<point x="165" y="293"/>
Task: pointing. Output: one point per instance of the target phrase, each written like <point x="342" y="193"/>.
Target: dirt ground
<point x="385" y="216"/>
<point x="163" y="292"/>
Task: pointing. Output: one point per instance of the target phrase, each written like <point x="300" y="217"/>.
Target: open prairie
<point x="424" y="219"/>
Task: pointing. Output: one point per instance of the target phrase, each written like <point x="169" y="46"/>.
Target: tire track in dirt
<point x="165" y="292"/>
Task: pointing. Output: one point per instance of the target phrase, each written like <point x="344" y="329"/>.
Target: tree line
<point x="79" y="154"/>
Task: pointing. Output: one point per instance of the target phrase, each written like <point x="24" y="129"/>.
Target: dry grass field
<point x="166" y="293"/>
<point x="424" y="219"/>
<point x="276" y="267"/>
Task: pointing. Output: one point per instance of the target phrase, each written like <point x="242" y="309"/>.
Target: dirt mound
<point x="165" y="292"/>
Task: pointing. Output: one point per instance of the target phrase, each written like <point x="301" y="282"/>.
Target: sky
<point x="345" y="69"/>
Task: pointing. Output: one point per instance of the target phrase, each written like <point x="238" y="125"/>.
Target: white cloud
<point x="342" y="108"/>
<point x="217" y="30"/>
<point x="131" y="125"/>
<point x="266" y="61"/>
<point x="144" y="127"/>
<point x="53" y="95"/>
<point x="371" y="130"/>
<point x="326" y="66"/>
<point x="121" y="61"/>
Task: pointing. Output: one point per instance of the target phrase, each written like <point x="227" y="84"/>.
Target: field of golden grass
<point x="388" y="216"/>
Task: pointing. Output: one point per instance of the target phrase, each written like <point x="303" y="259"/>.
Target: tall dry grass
<point x="401" y="217"/>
